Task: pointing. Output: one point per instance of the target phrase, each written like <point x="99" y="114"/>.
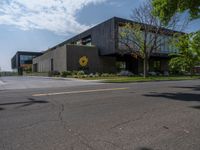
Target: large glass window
<point x="26" y="59"/>
<point x="164" y="45"/>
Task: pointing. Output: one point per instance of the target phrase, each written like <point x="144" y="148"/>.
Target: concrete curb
<point x="69" y="79"/>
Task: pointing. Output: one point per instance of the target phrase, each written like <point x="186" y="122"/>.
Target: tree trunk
<point x="191" y="71"/>
<point x="145" y="67"/>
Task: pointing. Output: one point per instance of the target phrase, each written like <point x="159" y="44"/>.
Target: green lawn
<point x="117" y="79"/>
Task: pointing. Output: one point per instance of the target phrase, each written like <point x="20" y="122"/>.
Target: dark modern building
<point x="101" y="49"/>
<point x="23" y="60"/>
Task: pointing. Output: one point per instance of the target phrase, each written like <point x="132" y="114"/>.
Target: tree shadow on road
<point x="180" y="96"/>
<point x="176" y="96"/>
<point x="30" y="102"/>
<point x="196" y="107"/>
<point x="194" y="88"/>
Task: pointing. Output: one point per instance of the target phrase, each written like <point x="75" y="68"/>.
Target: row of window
<point x="154" y="65"/>
<point x="164" y="44"/>
<point x="26" y="59"/>
<point x="84" y="41"/>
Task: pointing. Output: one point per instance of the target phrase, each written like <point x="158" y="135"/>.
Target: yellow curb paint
<point x="77" y="92"/>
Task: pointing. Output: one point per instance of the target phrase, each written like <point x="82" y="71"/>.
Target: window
<point x="25" y="59"/>
<point x="87" y="40"/>
<point x="156" y="65"/>
<point x="79" y="42"/>
<point x="121" y="65"/>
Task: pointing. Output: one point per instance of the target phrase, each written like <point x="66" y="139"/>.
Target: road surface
<point x="88" y="115"/>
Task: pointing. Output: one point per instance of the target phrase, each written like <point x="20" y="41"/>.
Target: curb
<point x="69" y="79"/>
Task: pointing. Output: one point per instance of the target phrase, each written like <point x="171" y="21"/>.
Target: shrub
<point x="91" y="75"/>
<point x="80" y="73"/>
<point x="105" y="75"/>
<point x="74" y="76"/>
<point x="125" y="73"/>
<point x="66" y="73"/>
<point x="97" y="75"/>
<point x="53" y="73"/>
<point x="83" y="76"/>
<point x="152" y="73"/>
<point x="74" y="72"/>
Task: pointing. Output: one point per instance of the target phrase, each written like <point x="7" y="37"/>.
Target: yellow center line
<point x="77" y="92"/>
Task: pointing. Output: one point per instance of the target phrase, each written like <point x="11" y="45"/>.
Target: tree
<point x="142" y="38"/>
<point x="189" y="53"/>
<point x="166" y="9"/>
<point x="195" y="44"/>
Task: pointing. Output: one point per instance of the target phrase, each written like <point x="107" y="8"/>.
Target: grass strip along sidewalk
<point x="141" y="79"/>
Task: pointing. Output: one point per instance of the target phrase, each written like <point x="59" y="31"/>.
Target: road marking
<point x="77" y="92"/>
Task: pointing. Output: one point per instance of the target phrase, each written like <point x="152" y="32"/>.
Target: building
<point x="23" y="60"/>
<point x="98" y="50"/>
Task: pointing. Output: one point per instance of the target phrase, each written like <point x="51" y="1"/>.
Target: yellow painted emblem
<point x="83" y="61"/>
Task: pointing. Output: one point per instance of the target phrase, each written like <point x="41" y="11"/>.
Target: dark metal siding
<point x="103" y="37"/>
<point x="96" y="63"/>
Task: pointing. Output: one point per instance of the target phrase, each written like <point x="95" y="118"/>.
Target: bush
<point x="53" y="73"/>
<point x="80" y="73"/>
<point x="125" y="73"/>
<point x="91" y="75"/>
<point x="97" y="74"/>
<point x="152" y="73"/>
<point x="106" y="75"/>
<point x="74" y="72"/>
<point x="74" y="76"/>
<point x="83" y="76"/>
<point x="66" y="73"/>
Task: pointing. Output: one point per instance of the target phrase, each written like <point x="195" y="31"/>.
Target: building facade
<point x="101" y="48"/>
<point x="23" y="60"/>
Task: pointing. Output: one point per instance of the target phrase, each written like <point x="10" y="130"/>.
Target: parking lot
<point x="54" y="114"/>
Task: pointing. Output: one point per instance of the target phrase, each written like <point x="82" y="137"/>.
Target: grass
<point x="45" y="74"/>
<point x="120" y="79"/>
<point x="117" y="79"/>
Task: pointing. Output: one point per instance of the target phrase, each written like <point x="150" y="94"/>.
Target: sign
<point x="83" y="61"/>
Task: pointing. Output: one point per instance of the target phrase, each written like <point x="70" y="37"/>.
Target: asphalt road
<point x="94" y="116"/>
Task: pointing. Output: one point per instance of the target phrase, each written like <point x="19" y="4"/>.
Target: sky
<point x="36" y="25"/>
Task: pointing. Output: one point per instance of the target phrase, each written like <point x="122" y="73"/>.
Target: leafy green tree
<point x="166" y="9"/>
<point x="189" y="53"/>
<point x="195" y="44"/>
<point x="142" y="37"/>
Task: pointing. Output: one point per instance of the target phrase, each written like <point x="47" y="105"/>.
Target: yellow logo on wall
<point x="83" y="61"/>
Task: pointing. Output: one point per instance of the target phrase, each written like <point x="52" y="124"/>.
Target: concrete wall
<point x="59" y="60"/>
<point x="67" y="58"/>
<point x="96" y="63"/>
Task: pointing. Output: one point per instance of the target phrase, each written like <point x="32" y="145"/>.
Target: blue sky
<point x="27" y="25"/>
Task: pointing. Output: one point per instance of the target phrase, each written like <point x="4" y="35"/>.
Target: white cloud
<point x="58" y="16"/>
